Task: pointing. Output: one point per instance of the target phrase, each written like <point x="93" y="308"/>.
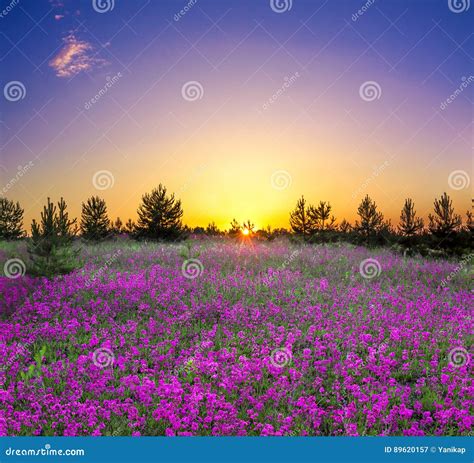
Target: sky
<point x="239" y="107"/>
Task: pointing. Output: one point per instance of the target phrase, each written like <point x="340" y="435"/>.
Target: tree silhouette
<point x="234" y="228"/>
<point x="94" y="220"/>
<point x="116" y="227"/>
<point x="11" y="220"/>
<point x="409" y="224"/>
<point x="469" y="221"/>
<point x="212" y="229"/>
<point x="248" y="226"/>
<point x="130" y="227"/>
<point x="50" y="248"/>
<point x="320" y="216"/>
<point x="300" y="221"/>
<point x="371" y="220"/>
<point x="444" y="221"/>
<point x="159" y="215"/>
<point x="345" y="226"/>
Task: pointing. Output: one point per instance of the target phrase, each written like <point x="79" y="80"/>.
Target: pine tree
<point x="371" y="220"/>
<point x="116" y="227"/>
<point x="320" y="216"/>
<point x="130" y="227"/>
<point x="234" y="228"/>
<point x="11" y="220"/>
<point x="409" y="224"/>
<point x="469" y="221"/>
<point x="159" y="215"/>
<point x="345" y="226"/>
<point x="300" y="221"/>
<point x="444" y="221"/>
<point x="94" y="220"/>
<point x="212" y="229"/>
<point x="51" y="245"/>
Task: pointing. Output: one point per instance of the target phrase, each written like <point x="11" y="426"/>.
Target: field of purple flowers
<point x="226" y="338"/>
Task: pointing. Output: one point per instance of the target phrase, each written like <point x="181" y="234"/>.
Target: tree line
<point x="445" y="231"/>
<point x="160" y="218"/>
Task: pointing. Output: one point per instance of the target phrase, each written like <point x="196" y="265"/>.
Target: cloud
<point x="74" y="57"/>
<point x="57" y="17"/>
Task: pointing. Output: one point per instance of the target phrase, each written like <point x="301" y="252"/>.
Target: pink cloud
<point x="74" y="57"/>
<point x="57" y="17"/>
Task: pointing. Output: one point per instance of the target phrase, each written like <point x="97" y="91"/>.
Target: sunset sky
<point x="237" y="106"/>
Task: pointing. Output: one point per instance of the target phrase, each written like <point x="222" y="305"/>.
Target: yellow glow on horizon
<point x="244" y="164"/>
<point x="246" y="231"/>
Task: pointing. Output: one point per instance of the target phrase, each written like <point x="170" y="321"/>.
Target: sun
<point x="246" y="231"/>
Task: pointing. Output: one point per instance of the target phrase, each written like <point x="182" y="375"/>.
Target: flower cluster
<point x="261" y="343"/>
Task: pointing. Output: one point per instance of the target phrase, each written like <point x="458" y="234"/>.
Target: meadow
<point x="237" y="337"/>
